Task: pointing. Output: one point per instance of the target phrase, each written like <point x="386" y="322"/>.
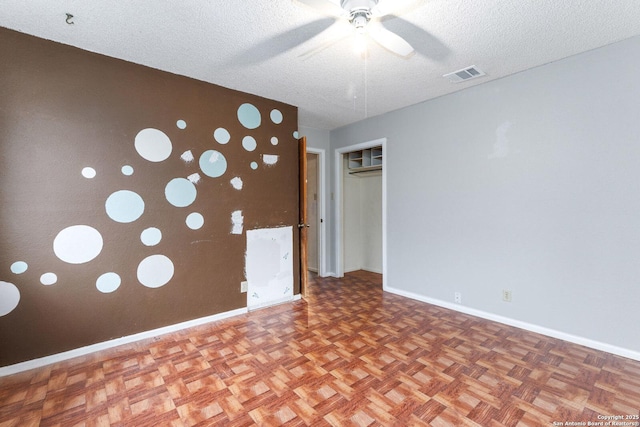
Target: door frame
<point x="338" y="205"/>
<point x="322" y="213"/>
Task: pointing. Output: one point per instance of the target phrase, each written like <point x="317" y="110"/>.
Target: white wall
<point x="529" y="183"/>
<point x="312" y="212"/>
<point x="351" y="220"/>
<point x="362" y="221"/>
<point x="371" y="221"/>
<point x="316" y="138"/>
<point x="319" y="139"/>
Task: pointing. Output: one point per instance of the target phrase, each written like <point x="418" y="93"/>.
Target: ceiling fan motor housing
<point x="359" y="11"/>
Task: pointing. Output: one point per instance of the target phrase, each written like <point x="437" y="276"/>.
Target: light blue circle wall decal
<point x="77" y="244"/>
<point x="249" y="143"/>
<point x="108" y="282"/>
<point x="89" y="172"/>
<point x="276" y="116"/>
<point x="124" y="206"/>
<point x="151" y="236"/>
<point x="155" y="271"/>
<point x="274" y="140"/>
<point x="153" y="145"/>
<point x="249" y="116"/>
<point x="19" y="267"/>
<point x="222" y="136"/>
<point x="195" y="221"/>
<point x="9" y="297"/>
<point x="296" y="135"/>
<point x="213" y="163"/>
<point x="180" y="192"/>
<point x="127" y="170"/>
<point x="48" y="279"/>
<point x="254" y="165"/>
<point x="181" y="124"/>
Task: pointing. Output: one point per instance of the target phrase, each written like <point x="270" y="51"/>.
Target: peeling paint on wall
<point x="187" y="156"/>
<point x="237" y="221"/>
<point x="269" y="159"/>
<point x="237" y="183"/>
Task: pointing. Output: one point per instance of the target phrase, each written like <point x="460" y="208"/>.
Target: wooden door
<point x="303" y="223"/>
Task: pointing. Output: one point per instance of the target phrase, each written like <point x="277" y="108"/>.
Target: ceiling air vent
<point x="465" y="74"/>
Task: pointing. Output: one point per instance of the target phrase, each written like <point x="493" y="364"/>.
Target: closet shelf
<point x="365" y="169"/>
<point x="365" y="160"/>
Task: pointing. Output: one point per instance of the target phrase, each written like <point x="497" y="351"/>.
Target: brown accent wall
<point x="62" y="110"/>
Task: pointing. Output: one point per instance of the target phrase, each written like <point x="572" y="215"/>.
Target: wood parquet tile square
<point x="348" y="355"/>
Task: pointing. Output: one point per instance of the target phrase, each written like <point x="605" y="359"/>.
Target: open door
<point x="303" y="224"/>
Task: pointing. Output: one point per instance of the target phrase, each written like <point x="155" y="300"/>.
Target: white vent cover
<point x="465" y="74"/>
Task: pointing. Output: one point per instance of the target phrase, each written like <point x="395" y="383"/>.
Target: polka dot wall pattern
<point x="79" y="243"/>
<point x="91" y="150"/>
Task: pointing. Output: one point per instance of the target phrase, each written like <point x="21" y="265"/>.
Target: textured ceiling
<point x="280" y="49"/>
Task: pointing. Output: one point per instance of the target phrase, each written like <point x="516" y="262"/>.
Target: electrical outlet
<point x="506" y="295"/>
<point x="244" y="287"/>
<point x="457" y="297"/>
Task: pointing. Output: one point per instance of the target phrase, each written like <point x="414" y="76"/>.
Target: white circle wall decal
<point x="9" y="297"/>
<point x="195" y="221"/>
<point x="254" y="165"/>
<point x="77" y="244"/>
<point x="249" y="143"/>
<point x="88" y="172"/>
<point x="249" y="116"/>
<point x="124" y="206"/>
<point x="155" y="271"/>
<point x="221" y="135"/>
<point x="181" y="124"/>
<point x="213" y="163"/>
<point x="48" y="279"/>
<point x="19" y="267"/>
<point x="127" y="170"/>
<point x="153" y="145"/>
<point x="296" y="135"/>
<point x="180" y="192"/>
<point x="276" y="116"/>
<point x="151" y="236"/>
<point x="274" y="140"/>
<point x="108" y="282"/>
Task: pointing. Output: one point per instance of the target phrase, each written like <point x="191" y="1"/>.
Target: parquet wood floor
<point x="350" y="355"/>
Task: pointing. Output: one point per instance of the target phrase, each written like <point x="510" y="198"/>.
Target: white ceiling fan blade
<point x="324" y="6"/>
<point x="390" y="41"/>
<point x="340" y="32"/>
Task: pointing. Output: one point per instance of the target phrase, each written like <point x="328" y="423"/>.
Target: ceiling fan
<point x="364" y="16"/>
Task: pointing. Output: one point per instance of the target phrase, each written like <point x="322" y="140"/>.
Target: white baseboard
<point x="620" y="351"/>
<point x="59" y="357"/>
<point x="372" y="270"/>
<point x="275" y="302"/>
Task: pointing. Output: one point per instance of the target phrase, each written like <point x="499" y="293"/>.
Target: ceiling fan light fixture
<point x="360" y="44"/>
<point x="360" y="21"/>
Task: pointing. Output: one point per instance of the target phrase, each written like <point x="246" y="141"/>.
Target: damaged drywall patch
<point x="501" y="146"/>
<point x="269" y="266"/>
<point x="237" y="221"/>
